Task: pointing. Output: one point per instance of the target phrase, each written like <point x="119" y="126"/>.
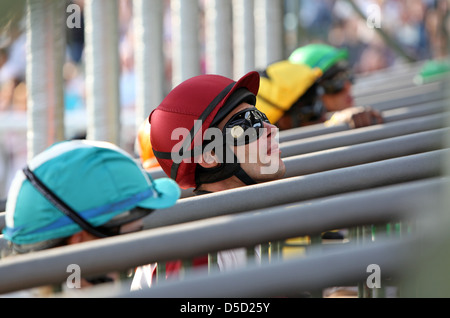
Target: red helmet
<point x="205" y="98"/>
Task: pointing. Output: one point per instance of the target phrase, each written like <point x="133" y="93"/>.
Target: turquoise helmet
<point x="98" y="181"/>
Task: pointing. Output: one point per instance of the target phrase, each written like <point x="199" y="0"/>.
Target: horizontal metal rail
<point x="367" y="87"/>
<point x="405" y="97"/>
<point x="296" y="141"/>
<point x="408" y="101"/>
<point x="407" y="112"/>
<point x="318" y="143"/>
<point x="386" y="82"/>
<point x="291" y="149"/>
<point x="197" y="238"/>
<point x="309" y="131"/>
<point x="389" y="116"/>
<point x="342" y="266"/>
<point x="301" y="136"/>
<point x="361" y="135"/>
<point x="365" y="153"/>
<point x="380" y="76"/>
<point x="294" y="189"/>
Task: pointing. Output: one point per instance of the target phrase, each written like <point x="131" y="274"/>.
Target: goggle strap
<point x="60" y="204"/>
<point x="244" y="177"/>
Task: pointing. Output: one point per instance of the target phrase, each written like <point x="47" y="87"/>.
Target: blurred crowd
<point x="419" y="27"/>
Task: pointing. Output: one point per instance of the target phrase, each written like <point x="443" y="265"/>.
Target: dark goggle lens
<point x="244" y="127"/>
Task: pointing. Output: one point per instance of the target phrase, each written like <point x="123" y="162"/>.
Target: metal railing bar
<point x="297" y="143"/>
<point x="295" y="189"/>
<point x="380" y="75"/>
<point x="361" y="135"/>
<point x="358" y="154"/>
<point x="343" y="266"/>
<point x="198" y="238"/>
<point x="298" y="188"/>
<point x="392" y="115"/>
<point x="414" y="111"/>
<point x="404" y="97"/>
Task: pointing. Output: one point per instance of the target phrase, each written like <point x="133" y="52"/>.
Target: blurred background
<point x="223" y="37"/>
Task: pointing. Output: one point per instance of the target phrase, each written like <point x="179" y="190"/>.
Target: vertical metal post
<point x="243" y="37"/>
<point x="149" y="58"/>
<point x="276" y="250"/>
<point x="268" y="32"/>
<point x="186" y="267"/>
<point x="292" y="25"/>
<point x="265" y="252"/>
<point x="45" y="58"/>
<point x="102" y="70"/>
<point x="218" y="43"/>
<point x="161" y="272"/>
<point x="429" y="275"/>
<point x="185" y="40"/>
<point x="212" y="263"/>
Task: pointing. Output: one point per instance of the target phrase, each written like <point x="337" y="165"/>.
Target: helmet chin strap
<point x="244" y="177"/>
<point x="223" y="171"/>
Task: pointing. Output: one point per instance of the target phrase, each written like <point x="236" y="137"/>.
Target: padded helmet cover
<point x="196" y="99"/>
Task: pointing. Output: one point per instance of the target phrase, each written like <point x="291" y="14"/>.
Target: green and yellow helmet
<point x="318" y="55"/>
<point x="281" y="85"/>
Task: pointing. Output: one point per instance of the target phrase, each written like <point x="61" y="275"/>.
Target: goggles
<point x="337" y="83"/>
<point x="245" y="126"/>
